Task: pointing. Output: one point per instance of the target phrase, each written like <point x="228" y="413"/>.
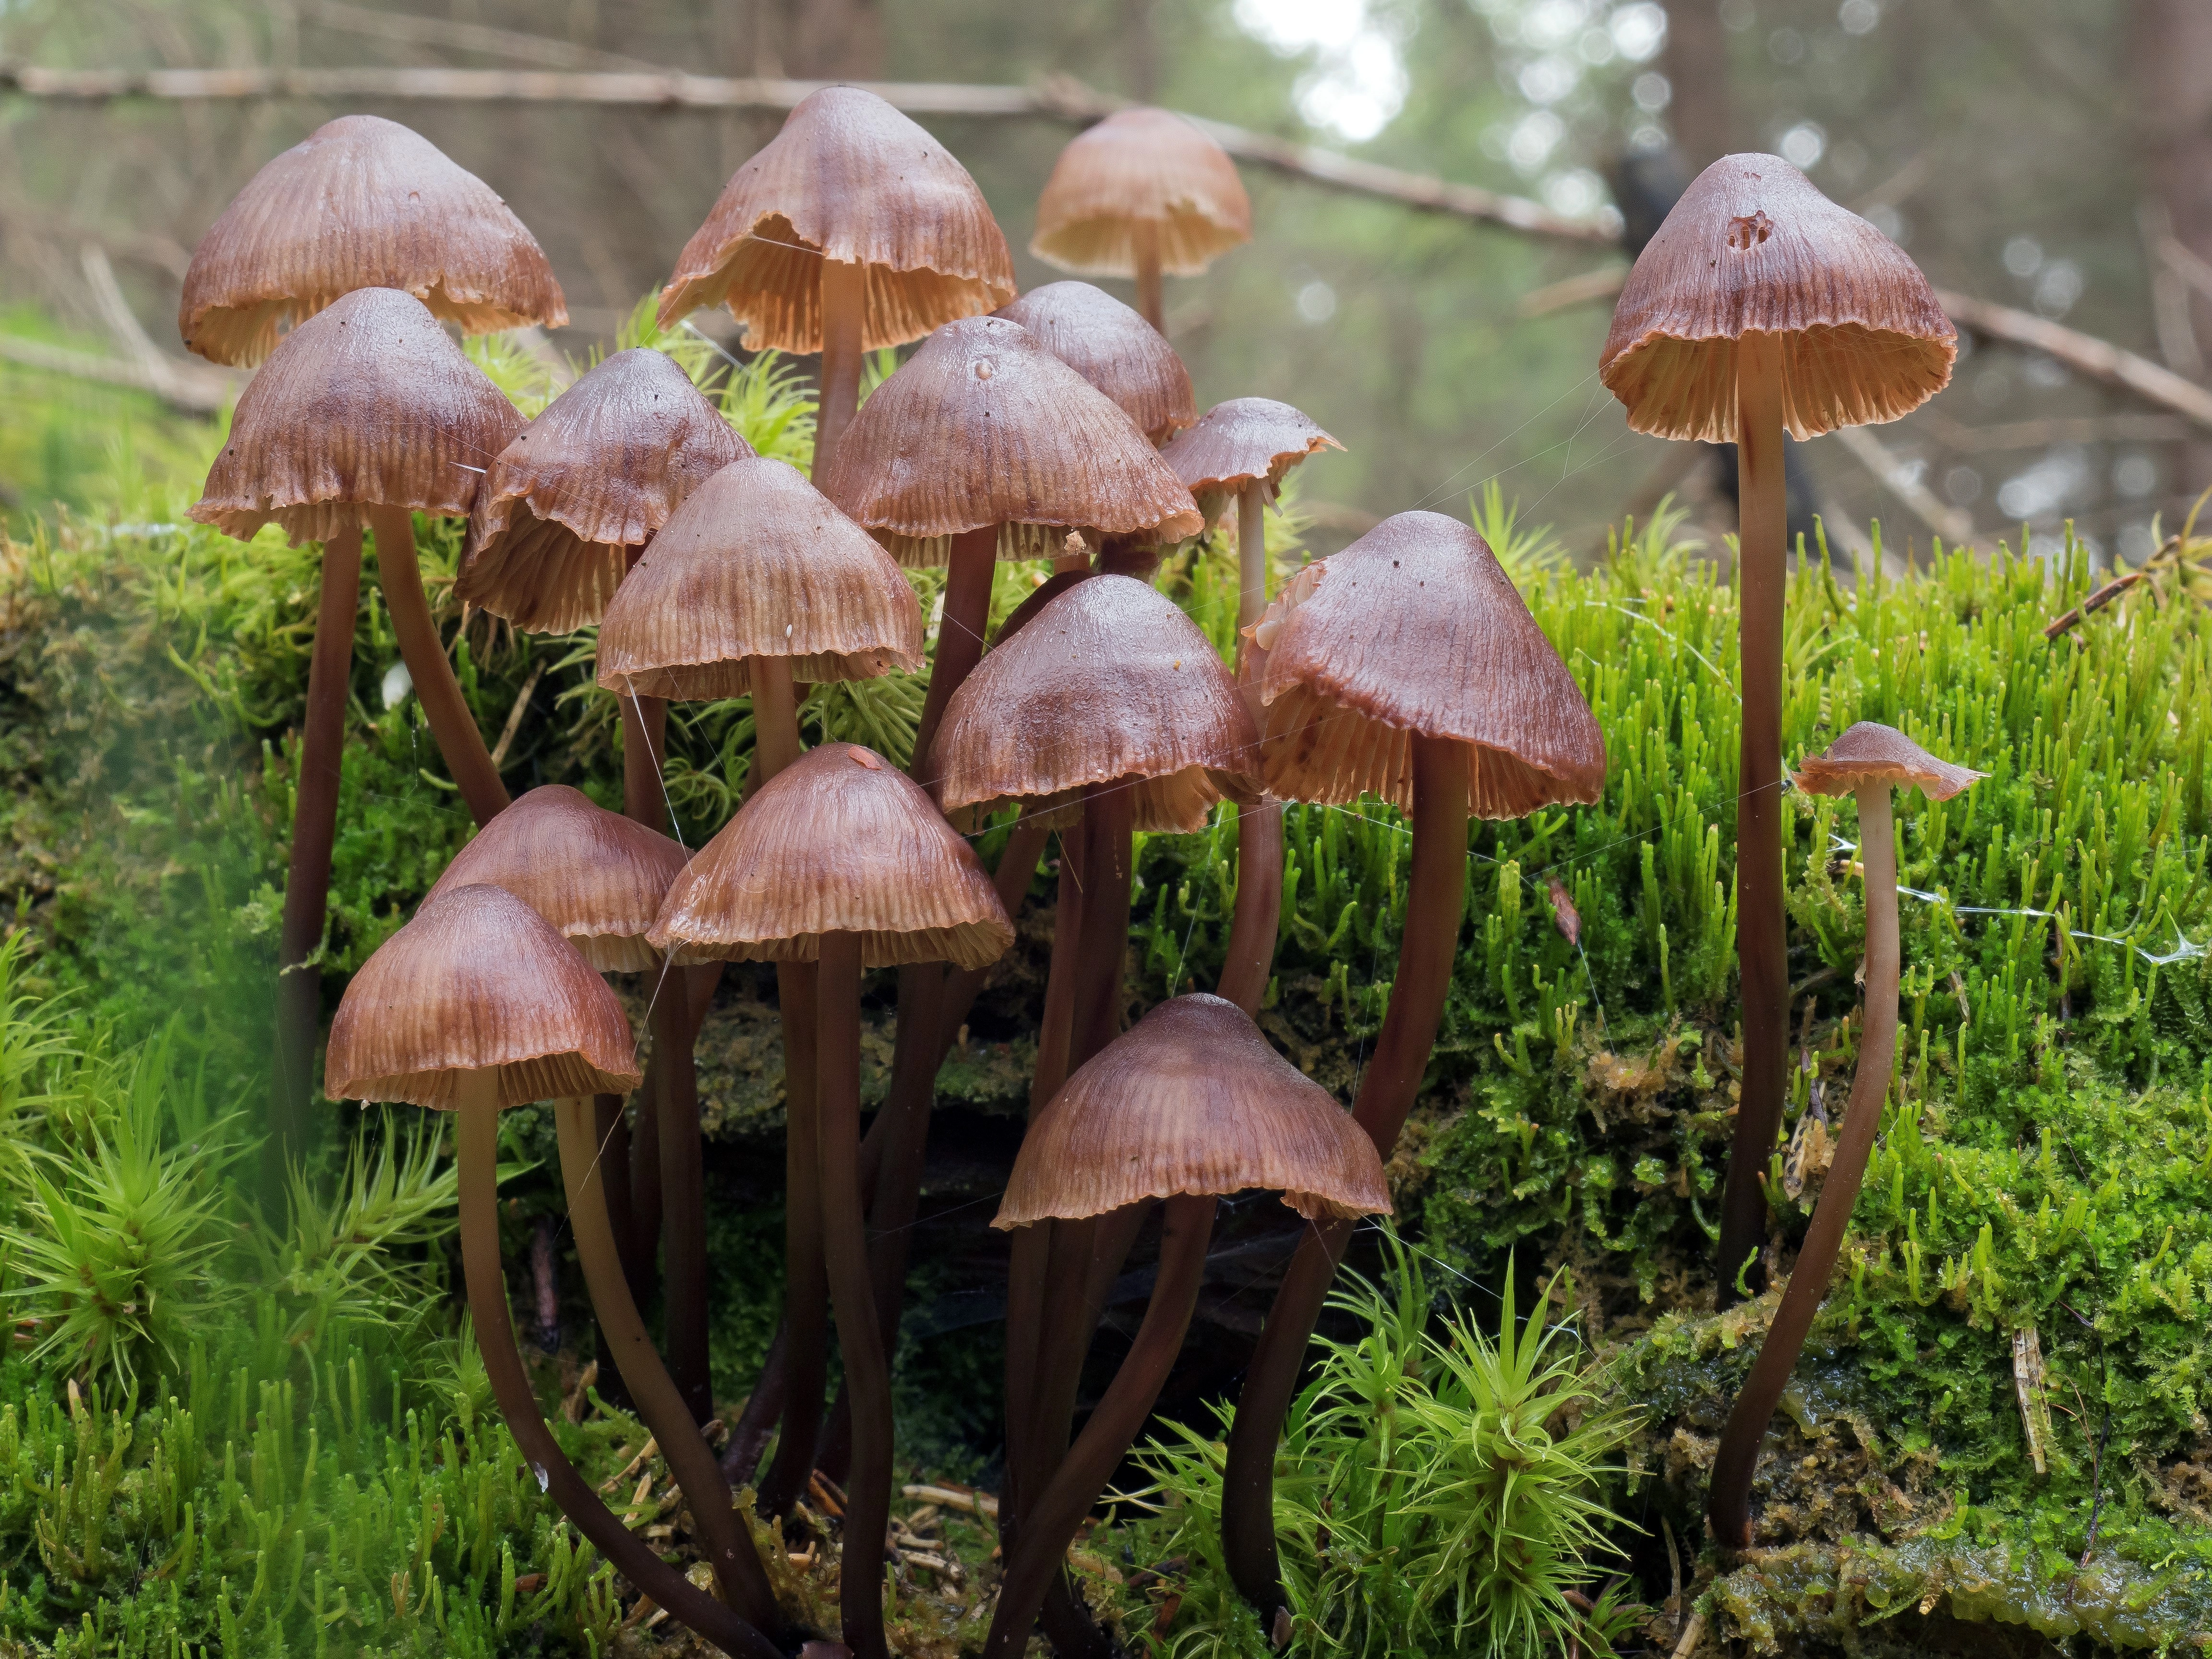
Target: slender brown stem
<point x="966" y="613"/>
<point x="844" y="317"/>
<point x="478" y="1167"/>
<point x="683" y="1203"/>
<point x="805" y="1281"/>
<point x="763" y="1409"/>
<point x="1251" y="562"/>
<point x="775" y="717"/>
<point x="1257" y="918"/>
<point x="451" y="721"/>
<point x="645" y="748"/>
<point x="1147" y="234"/>
<point x="644" y="1206"/>
<point x="1055" y="1033"/>
<point x="1762" y="945"/>
<point x="1108" y="813"/>
<point x="611" y="1131"/>
<point x="1729" y="1506"/>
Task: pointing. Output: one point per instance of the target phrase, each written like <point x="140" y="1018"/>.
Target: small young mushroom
<point x="1868" y="760"/>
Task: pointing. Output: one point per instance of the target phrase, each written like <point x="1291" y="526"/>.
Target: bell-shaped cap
<point x="1140" y="167"/>
<point x="1114" y="348"/>
<point x="848" y="178"/>
<point x="984" y="426"/>
<point x="839" y="841"/>
<point x="584" y="486"/>
<point x="596" y="875"/>
<point x="1753" y="248"/>
<point x="1415" y="629"/>
<point x="367" y="404"/>
<point x="1192" y="1099"/>
<point x="363" y="203"/>
<point x="1244" y="440"/>
<point x="758" y="563"/>
<point x="1872" y="753"/>
<point x="477" y="982"/>
<point x="1109" y="682"/>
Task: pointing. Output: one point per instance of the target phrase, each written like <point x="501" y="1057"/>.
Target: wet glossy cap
<point x="1141" y="165"/>
<point x="1244" y="440"/>
<point x="1114" y="348"/>
<point x="1868" y="753"/>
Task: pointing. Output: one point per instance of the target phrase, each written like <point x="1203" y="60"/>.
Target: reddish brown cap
<point x="1137" y="165"/>
<point x="758" y="563"/>
<point x="848" y="179"/>
<point x="839" y="841"/>
<point x="1109" y="681"/>
<point x="1192" y="1099"/>
<point x="1244" y="440"/>
<point x="1753" y="248"/>
<point x="1114" y="348"/>
<point x="364" y="203"/>
<point x="1869" y="753"/>
<point x="367" y="404"/>
<point x="477" y="982"/>
<point x="1415" y="629"/>
<point x="596" y="875"/>
<point x="585" y="484"/>
<point x="984" y="426"/>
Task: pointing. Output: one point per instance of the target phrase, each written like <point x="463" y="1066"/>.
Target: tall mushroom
<point x="366" y="412"/>
<point x="1144" y="191"/>
<point x="853" y="230"/>
<point x="1405" y="666"/>
<point x="1190" y="1106"/>
<point x="1759" y="307"/>
<point x="843" y="861"/>
<point x="1868" y="760"/>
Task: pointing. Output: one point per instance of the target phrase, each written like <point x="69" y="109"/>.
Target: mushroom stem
<point x="805" y="1281"/>
<point x="1251" y="567"/>
<point x="478" y="1169"/>
<point x="1257" y="918"/>
<point x="447" y="712"/>
<point x="860" y="1340"/>
<point x="644" y="749"/>
<point x="1055" y="1030"/>
<point x="1109" y="810"/>
<point x="645" y="1179"/>
<point x="844" y="318"/>
<point x="683" y="1201"/>
<point x="729" y="1548"/>
<point x="611" y="1133"/>
<point x="308" y="881"/>
<point x="1145" y="233"/>
<point x="1436" y="900"/>
<point x="973" y="563"/>
<point x="776" y="716"/>
<point x="1049" y="1523"/>
<point x="1761" y="942"/>
<point x="1728" y="1506"/>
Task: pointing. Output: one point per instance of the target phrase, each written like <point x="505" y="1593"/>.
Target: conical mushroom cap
<point x="1870" y="753"/>
<point x="367" y="404"/>
<point x="758" y="563"/>
<point x="837" y="842"/>
<point x="1415" y="629"/>
<point x="1114" y="348"/>
<point x="1753" y="248"/>
<point x="1244" y="440"/>
<point x="848" y="178"/>
<point x="1110" y="680"/>
<point x="1192" y="1099"/>
<point x="1141" y="165"/>
<point x="585" y="485"/>
<point x="477" y="982"/>
<point x="364" y="203"/>
<point x="984" y="426"/>
<point x="596" y="875"/>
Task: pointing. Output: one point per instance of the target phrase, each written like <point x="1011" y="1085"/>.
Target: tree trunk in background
<point x="1696" y="66"/>
<point x="2170" y="64"/>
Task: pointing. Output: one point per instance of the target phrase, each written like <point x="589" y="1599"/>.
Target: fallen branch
<point x="2100" y="359"/>
<point x="190" y="392"/>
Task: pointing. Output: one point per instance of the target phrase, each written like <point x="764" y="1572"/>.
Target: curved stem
<point x="844" y="318"/>
<point x="805" y="1283"/>
<point x="1762" y="945"/>
<point x="1149" y="302"/>
<point x="478" y="1169"/>
<point x="966" y="613"/>
<point x="1729" y="1506"/>
<point x="683" y="1202"/>
<point x="644" y="1206"/>
<point x="451" y="721"/>
<point x="611" y="1133"/>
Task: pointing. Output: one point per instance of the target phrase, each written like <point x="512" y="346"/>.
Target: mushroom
<point x="1113" y="348"/>
<point x="1190" y="1106"/>
<point x="842" y="861"/>
<point x="1868" y="760"/>
<point x="476" y="1005"/>
<point x="361" y="202"/>
<point x="1405" y="666"/>
<point x="1760" y="307"/>
<point x="1145" y="191"/>
<point x="853" y="230"/>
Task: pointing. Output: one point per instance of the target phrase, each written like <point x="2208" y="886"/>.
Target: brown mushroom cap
<point x="477" y="982"/>
<point x="1192" y="1099"/>
<point x="1109" y="681"/>
<point x="1871" y="753"/>
<point x="1137" y="165"/>
<point x="848" y="179"/>
<point x="366" y="403"/>
<point x="984" y="426"/>
<point x="584" y="485"/>
<point x="1415" y="629"/>
<point x="839" y="841"/>
<point x="1244" y="440"/>
<point x="1114" y="348"/>
<point x="363" y="203"/>
<point x="596" y="875"/>
<point x="1753" y="248"/>
<point x="758" y="563"/>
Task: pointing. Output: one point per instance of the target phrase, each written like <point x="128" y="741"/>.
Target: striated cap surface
<point x="1244" y="440"/>
<point x="1871" y="753"/>
<point x="1140" y="167"/>
<point x="1114" y="348"/>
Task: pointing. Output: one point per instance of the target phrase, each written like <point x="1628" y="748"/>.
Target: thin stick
<point x="844" y="317"/>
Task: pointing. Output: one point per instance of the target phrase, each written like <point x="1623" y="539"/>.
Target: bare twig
<point x="1871" y="453"/>
<point x="445" y="32"/>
